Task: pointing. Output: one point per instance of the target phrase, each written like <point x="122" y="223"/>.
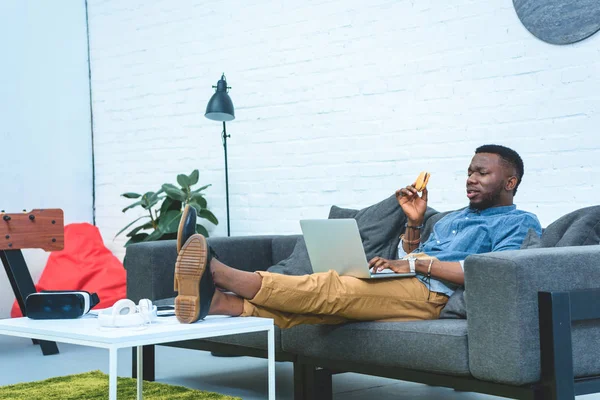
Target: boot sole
<point x="180" y="229"/>
<point x="190" y="265"/>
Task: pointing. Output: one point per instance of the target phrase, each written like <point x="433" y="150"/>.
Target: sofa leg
<point x="312" y="383"/>
<point x="299" y="381"/>
<point x="148" y="363"/>
<point x="556" y="345"/>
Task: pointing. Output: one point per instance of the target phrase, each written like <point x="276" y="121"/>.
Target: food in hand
<point x="422" y="180"/>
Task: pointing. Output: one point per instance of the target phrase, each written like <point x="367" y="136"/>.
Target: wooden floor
<point x="245" y="377"/>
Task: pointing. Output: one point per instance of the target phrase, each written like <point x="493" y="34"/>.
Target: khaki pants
<point x="328" y="298"/>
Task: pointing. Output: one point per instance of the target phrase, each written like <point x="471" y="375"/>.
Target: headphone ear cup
<point x="124" y="307"/>
<point x="145" y="305"/>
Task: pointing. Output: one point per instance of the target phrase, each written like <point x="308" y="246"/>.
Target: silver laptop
<point x="336" y="244"/>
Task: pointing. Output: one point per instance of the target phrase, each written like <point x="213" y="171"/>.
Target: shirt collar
<point x="493" y="210"/>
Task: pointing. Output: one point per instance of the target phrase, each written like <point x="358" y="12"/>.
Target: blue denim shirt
<point x="469" y="231"/>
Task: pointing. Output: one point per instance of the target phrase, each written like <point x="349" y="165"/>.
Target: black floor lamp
<point x="220" y="108"/>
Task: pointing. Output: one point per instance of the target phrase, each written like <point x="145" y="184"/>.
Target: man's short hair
<point x="509" y="156"/>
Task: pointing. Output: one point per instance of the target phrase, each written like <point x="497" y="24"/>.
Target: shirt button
<point x="454" y="232"/>
<point x="466" y="217"/>
<point x="438" y="241"/>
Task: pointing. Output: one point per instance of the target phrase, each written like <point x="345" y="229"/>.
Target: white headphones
<point x="126" y="314"/>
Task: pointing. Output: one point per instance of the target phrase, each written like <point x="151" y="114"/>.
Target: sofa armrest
<point x="151" y="265"/>
<point x="502" y="307"/>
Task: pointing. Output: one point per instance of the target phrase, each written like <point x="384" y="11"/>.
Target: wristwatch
<point x="411" y="263"/>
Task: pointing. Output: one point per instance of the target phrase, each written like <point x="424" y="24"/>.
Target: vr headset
<point x="59" y="304"/>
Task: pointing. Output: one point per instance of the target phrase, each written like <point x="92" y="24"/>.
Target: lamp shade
<point x="220" y="106"/>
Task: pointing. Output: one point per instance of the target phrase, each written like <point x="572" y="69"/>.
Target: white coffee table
<point x="85" y="331"/>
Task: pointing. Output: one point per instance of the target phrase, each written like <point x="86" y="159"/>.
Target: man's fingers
<point x="374" y="264"/>
<point x="373" y="261"/>
<point x="408" y="191"/>
<point x="380" y="264"/>
<point x="424" y="196"/>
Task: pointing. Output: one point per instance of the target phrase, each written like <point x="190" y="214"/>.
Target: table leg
<point x="271" y="361"/>
<point x="112" y="374"/>
<point x="140" y="366"/>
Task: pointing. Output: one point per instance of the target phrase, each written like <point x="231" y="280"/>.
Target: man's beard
<point x="488" y="200"/>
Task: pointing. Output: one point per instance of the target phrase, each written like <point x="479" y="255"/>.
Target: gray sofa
<point x="495" y="350"/>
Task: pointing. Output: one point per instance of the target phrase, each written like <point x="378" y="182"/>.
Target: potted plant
<point x="165" y="208"/>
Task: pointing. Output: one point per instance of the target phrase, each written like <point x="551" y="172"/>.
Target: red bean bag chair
<point x="84" y="264"/>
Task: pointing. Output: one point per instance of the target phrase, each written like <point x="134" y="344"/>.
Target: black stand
<point x="557" y="310"/>
<point x="312" y="383"/>
<point x="225" y="136"/>
<point x="22" y="286"/>
<point x="148" y="363"/>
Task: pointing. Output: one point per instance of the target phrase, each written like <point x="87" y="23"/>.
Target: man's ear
<point x="511" y="182"/>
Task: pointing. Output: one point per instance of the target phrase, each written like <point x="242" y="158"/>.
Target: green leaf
<point x="136" y="239"/>
<point x="194" y="177"/>
<point x="153" y="236"/>
<point x="204" y="213"/>
<point x="174" y="192"/>
<point x="183" y="180"/>
<point x="169" y="222"/>
<point x="147" y="199"/>
<point x="131" y="195"/>
<point x="197" y="206"/>
<point x="201" y="229"/>
<point x="200" y="189"/>
<point x="131" y="223"/>
<point x="153" y="200"/>
<point x="147" y="225"/>
<point x="137" y="203"/>
<point x="198" y="198"/>
<point x="169" y="204"/>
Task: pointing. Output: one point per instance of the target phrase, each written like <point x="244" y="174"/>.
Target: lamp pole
<point x="220" y="108"/>
<point x="225" y="136"/>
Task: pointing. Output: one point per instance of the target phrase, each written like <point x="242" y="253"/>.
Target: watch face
<point x="54" y="306"/>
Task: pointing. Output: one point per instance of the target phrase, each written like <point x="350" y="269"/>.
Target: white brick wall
<point x="337" y="102"/>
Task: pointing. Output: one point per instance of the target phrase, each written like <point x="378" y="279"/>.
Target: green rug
<point x="94" y="385"/>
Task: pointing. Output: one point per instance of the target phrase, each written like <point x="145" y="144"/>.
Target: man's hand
<point x="378" y="264"/>
<point x="413" y="205"/>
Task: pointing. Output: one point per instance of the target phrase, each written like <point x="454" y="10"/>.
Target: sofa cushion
<point x="456" y="307"/>
<point x="436" y="346"/>
<point x="578" y="228"/>
<point x="376" y="231"/>
<point x="380" y="226"/>
<point x="282" y="247"/>
<point x="298" y="263"/>
<point x="532" y="240"/>
<point x="338" y="212"/>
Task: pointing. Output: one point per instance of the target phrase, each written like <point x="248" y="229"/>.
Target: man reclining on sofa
<point x="491" y="222"/>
